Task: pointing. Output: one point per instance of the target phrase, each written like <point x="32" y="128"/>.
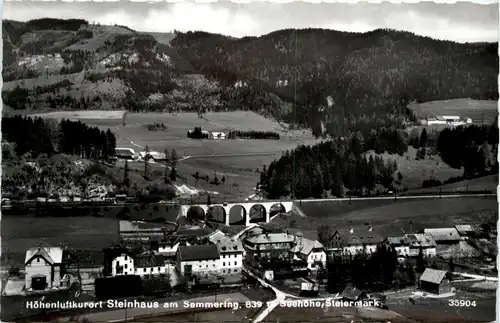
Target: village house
<point x="444" y="236"/>
<point x="353" y="294"/>
<point x="198" y="259"/>
<point x="400" y="244"/>
<point x="231" y="252"/>
<point x="311" y="251"/>
<point x="231" y="259"/>
<point x="433" y="281"/>
<point x="269" y="245"/>
<point x="466" y="230"/>
<point x="169" y="246"/>
<point x="217" y="135"/>
<point x="150" y="264"/>
<point x="125" y="153"/>
<point x="355" y="241"/>
<point x="43" y="267"/>
<point x="421" y="242"/>
<point x="119" y="261"/>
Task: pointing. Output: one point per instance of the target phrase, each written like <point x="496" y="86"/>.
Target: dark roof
<point x="123" y="152"/>
<point x="194" y="232"/>
<point x="149" y="260"/>
<point x="351" y="293"/>
<point x="358" y="237"/>
<point x="198" y="252"/>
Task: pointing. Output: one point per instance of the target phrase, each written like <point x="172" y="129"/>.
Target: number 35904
<point x="461" y="303"/>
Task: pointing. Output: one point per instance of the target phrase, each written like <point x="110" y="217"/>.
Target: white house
<point x="231" y="255"/>
<point x="149" y="264"/>
<point x="311" y="251"/>
<point x="218" y="135"/>
<point x="400" y="244"/>
<point x="268" y="245"/>
<point x="122" y="265"/>
<point x="43" y="268"/>
<point x="169" y="249"/>
<point x="421" y="242"/>
<point x="198" y="259"/>
<point x="141" y="265"/>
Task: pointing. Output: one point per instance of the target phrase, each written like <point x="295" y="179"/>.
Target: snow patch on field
<point x="185" y="190"/>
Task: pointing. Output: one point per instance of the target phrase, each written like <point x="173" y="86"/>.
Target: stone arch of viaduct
<point x="246" y="206"/>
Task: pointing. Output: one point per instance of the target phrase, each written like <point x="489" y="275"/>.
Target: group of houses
<point x="124" y="153"/>
<point x="446" y="120"/>
<point x="201" y="253"/>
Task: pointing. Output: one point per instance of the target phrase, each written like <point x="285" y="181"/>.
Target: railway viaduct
<point x="266" y="207"/>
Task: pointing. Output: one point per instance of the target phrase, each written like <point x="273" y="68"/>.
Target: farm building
<point x="433" y="281"/>
<point x="421" y="242"/>
<point x="198" y="259"/>
<point x="446" y="236"/>
<point x="351" y="293"/>
<point x="218" y="135"/>
<point x="446" y="120"/>
<point x="125" y="153"/>
<point x="466" y="230"/>
<point x="43" y="268"/>
<point x="138" y="231"/>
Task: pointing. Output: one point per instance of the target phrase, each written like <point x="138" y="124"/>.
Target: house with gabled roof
<point x="43" y="267"/>
<point x="198" y="259"/>
<point x="434" y="281"/>
<point x="311" y="251"/>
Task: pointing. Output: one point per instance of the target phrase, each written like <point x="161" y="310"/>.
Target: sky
<point x="461" y="22"/>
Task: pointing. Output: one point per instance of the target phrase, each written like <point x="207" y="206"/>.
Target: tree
<point x="423" y="138"/>
<point x="325" y="233"/>
<point x="173" y="165"/>
<point x="147" y="167"/>
<point x="209" y="200"/>
<point x="166" y="162"/>
<point x="126" y="180"/>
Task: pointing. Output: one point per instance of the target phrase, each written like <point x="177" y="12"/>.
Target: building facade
<point x="311" y="251"/>
<point x="43" y="268"/>
<point x="433" y="281"/>
<point x="421" y="243"/>
<point x="198" y="260"/>
<point x="353" y="242"/>
<point x="269" y="245"/>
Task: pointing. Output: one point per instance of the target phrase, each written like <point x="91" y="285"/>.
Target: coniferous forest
<point x="340" y="165"/>
<point x="39" y="136"/>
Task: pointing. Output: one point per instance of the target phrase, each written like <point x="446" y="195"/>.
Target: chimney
<point x="351" y="230"/>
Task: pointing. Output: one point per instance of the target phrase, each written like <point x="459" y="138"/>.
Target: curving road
<point x="398" y="197"/>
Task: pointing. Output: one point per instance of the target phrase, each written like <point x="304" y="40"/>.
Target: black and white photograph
<point x="249" y="162"/>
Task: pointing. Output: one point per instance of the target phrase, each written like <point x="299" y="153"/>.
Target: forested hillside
<point x="328" y="80"/>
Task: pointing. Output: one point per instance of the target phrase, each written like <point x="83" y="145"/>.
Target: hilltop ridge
<point x="324" y="79"/>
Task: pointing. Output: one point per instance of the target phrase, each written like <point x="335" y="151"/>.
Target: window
<point x="235" y="270"/>
<point x="223" y="264"/>
<point x="207" y="266"/>
<point x="235" y="263"/>
<point x="37" y="259"/>
<point x="223" y="271"/>
<point x="125" y="266"/>
<point x="126" y="258"/>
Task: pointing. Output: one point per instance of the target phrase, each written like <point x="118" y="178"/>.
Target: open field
<point x="389" y="217"/>
<point x="489" y="183"/>
<point x="480" y="111"/>
<point x="82" y="115"/>
<point x="239" y="170"/>
<point x="416" y="171"/>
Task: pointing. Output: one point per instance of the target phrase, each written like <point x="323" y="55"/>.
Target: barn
<point x="433" y="281"/>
